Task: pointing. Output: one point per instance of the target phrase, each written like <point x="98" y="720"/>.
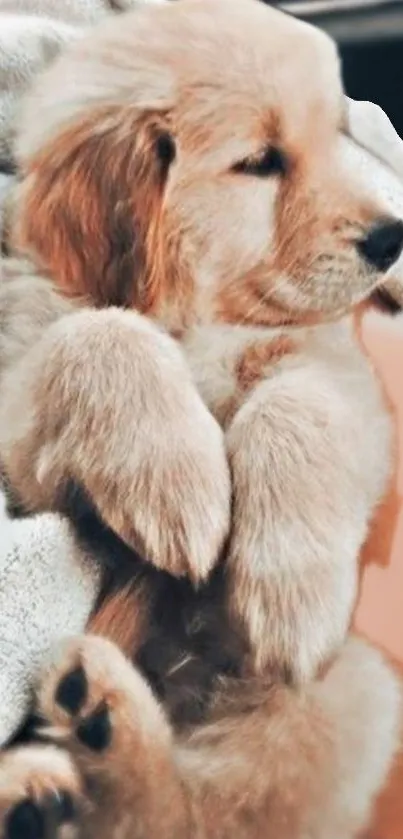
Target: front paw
<point x="291" y="576"/>
<point x="105" y="404"/>
<point x="291" y="617"/>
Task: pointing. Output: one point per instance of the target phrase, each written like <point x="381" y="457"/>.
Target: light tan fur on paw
<point x="104" y="404"/>
<point x="300" y="465"/>
<point x="298" y="456"/>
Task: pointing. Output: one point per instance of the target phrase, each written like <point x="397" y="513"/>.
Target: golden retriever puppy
<point x="184" y="173"/>
<point x="141" y="190"/>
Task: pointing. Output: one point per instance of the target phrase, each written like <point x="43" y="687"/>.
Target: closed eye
<point x="269" y="163"/>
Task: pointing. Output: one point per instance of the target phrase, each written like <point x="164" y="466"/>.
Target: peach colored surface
<point x="380" y="612"/>
<point x="380" y="609"/>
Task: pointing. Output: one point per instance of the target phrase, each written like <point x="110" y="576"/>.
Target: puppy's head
<point x="185" y="159"/>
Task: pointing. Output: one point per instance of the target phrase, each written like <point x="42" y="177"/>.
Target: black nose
<point x="383" y="244"/>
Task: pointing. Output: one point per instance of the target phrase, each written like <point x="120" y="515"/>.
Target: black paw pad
<point x="29" y="820"/>
<point x="96" y="731"/>
<point x="25" y="821"/>
<point x="63" y="808"/>
<point x="72" y="691"/>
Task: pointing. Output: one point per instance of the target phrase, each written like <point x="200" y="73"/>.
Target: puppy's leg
<point x="40" y="794"/>
<point x="298" y="764"/>
<point x="279" y="762"/>
<point x="305" y="480"/>
<point x="104" y="712"/>
<point x="104" y="403"/>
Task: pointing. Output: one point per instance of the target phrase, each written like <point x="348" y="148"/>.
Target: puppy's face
<point x="186" y="160"/>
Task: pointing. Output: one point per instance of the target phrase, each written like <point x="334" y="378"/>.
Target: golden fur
<point x="140" y="189"/>
<point x="273" y="763"/>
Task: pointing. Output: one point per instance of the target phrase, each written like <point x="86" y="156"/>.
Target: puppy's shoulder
<point x="29" y="303"/>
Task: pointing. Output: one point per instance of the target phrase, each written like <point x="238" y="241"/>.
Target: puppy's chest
<point x="359" y="406"/>
<point x="229" y="362"/>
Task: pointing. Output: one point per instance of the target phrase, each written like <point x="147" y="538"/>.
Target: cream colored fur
<point x="262" y="251"/>
<point x="308" y="441"/>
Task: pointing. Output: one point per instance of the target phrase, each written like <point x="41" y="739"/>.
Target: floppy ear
<point x="91" y="207"/>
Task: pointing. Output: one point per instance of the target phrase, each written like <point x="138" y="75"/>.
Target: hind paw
<point x="40" y="795"/>
<point x="100" y="707"/>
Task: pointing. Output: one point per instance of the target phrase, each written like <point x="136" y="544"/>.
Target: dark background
<point x="370" y="35"/>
